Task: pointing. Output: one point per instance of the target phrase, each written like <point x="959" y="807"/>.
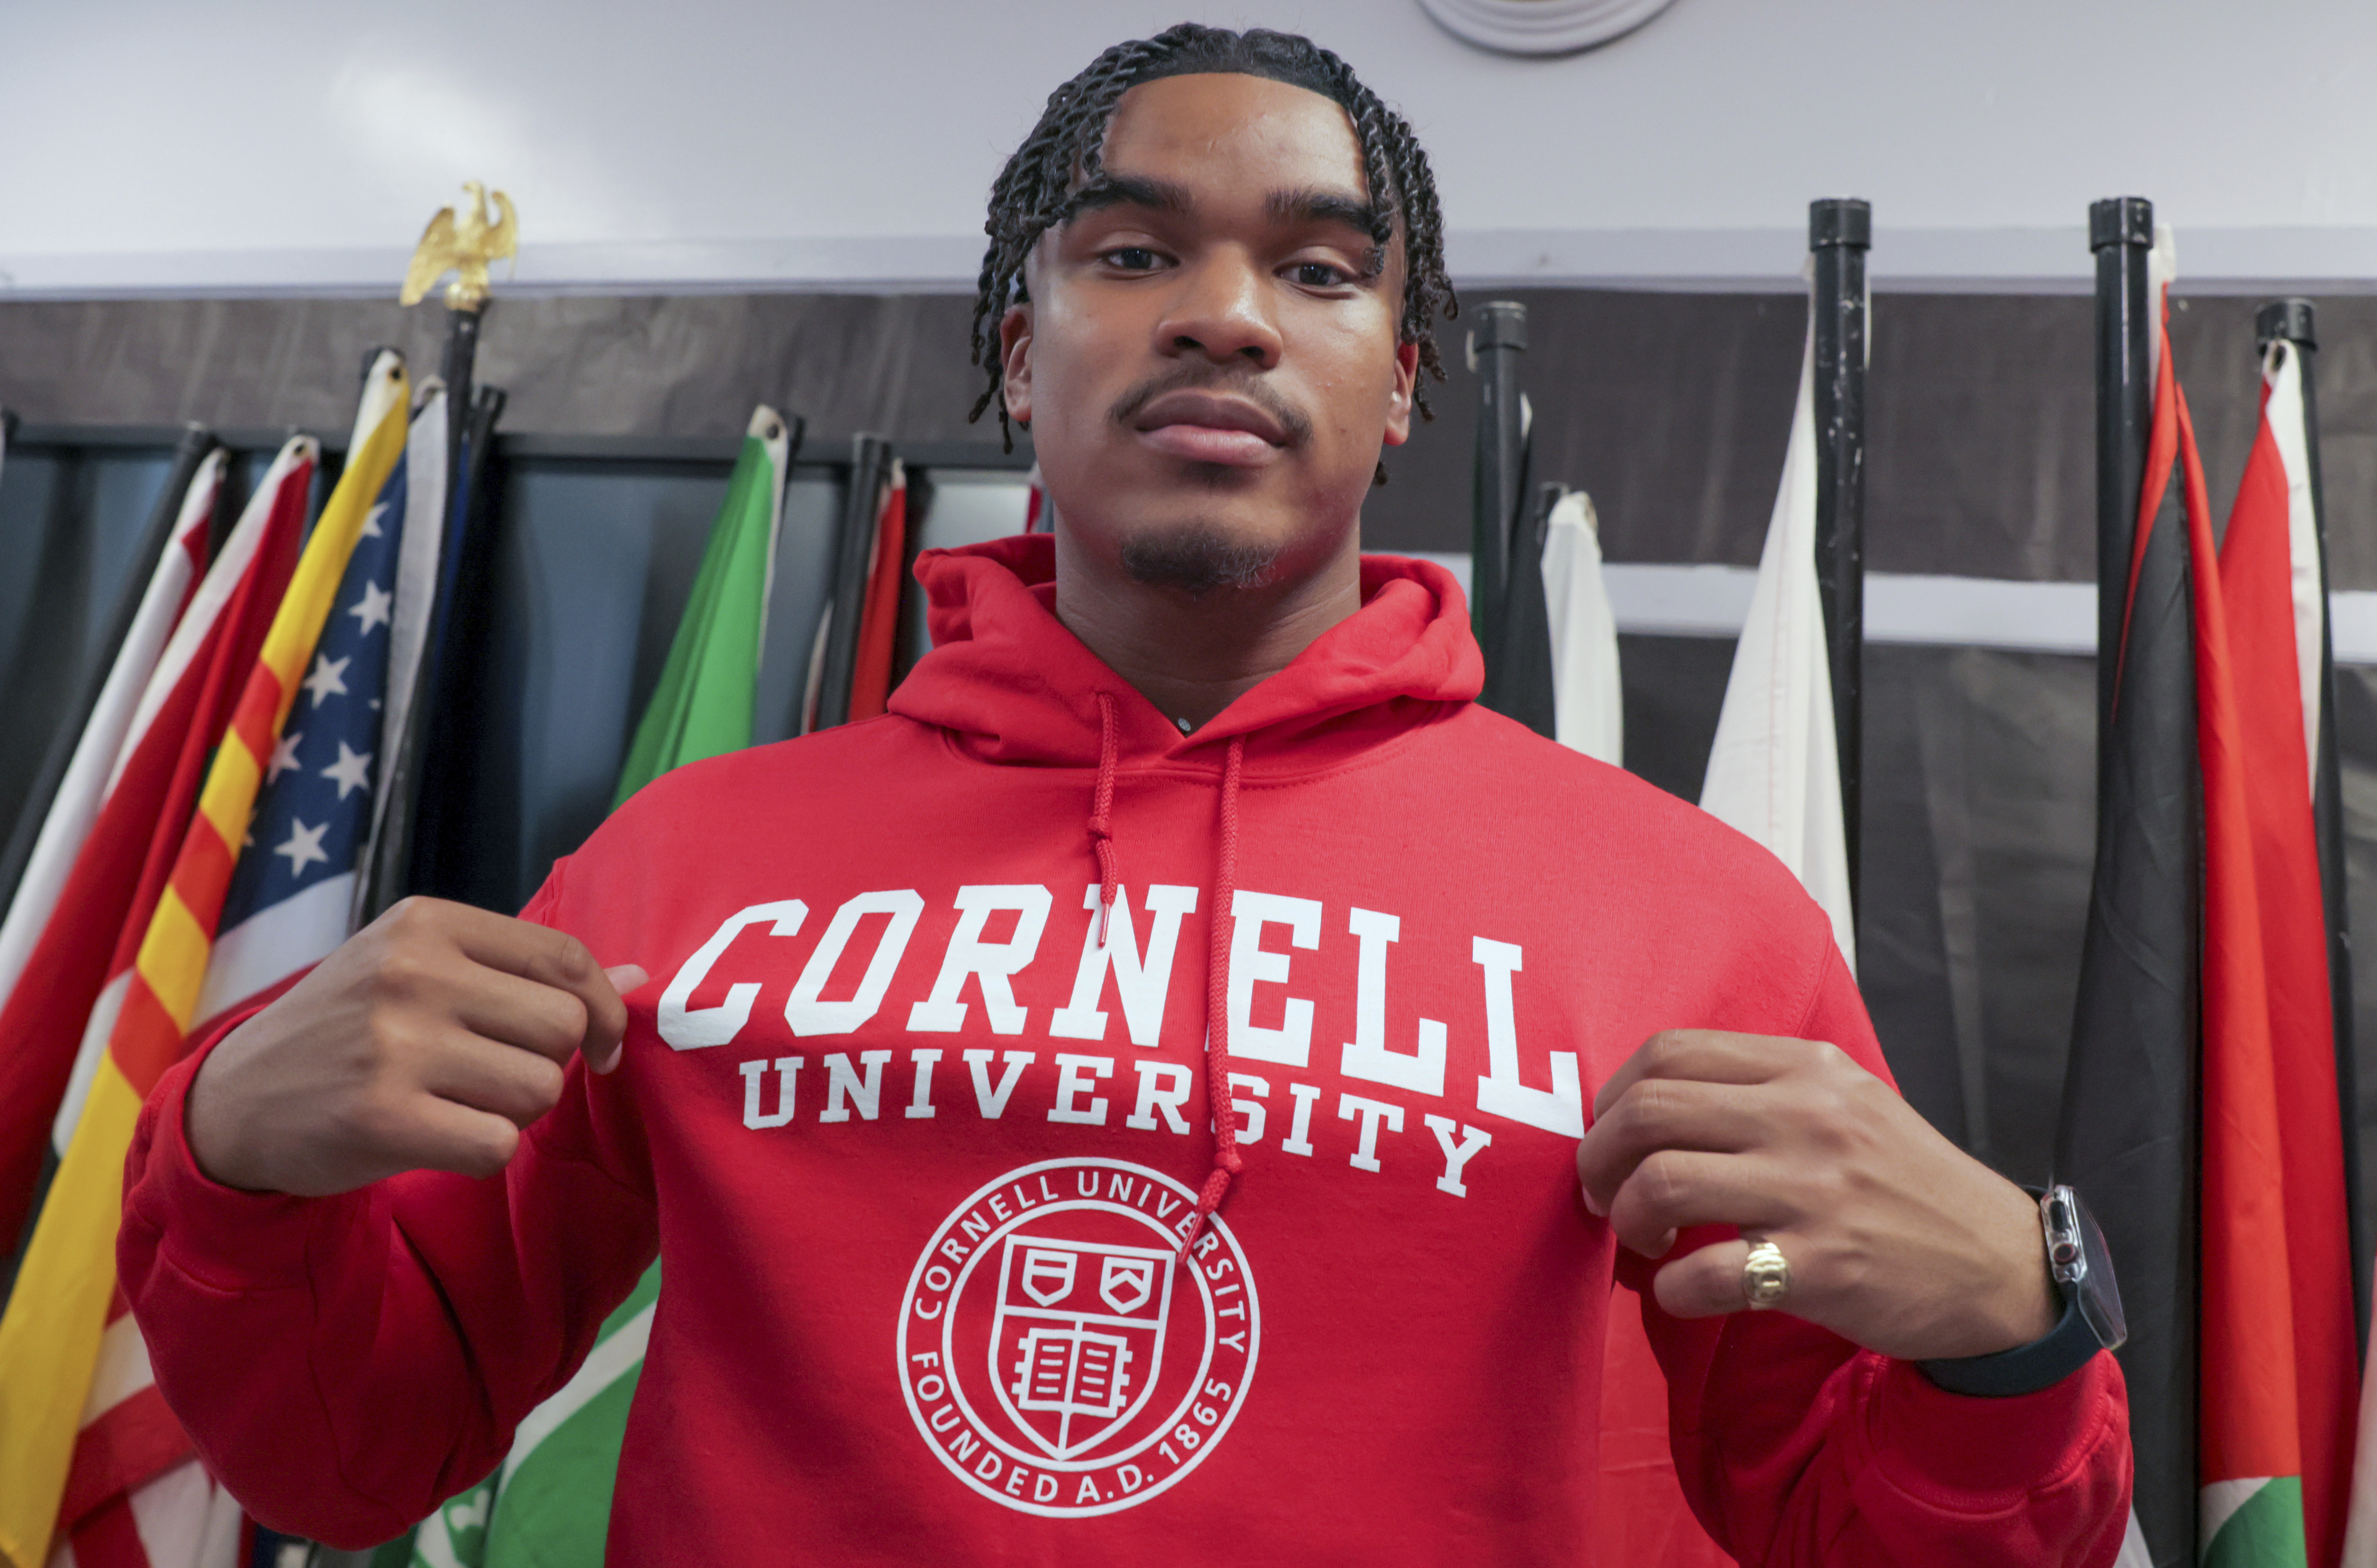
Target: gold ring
<point x="1766" y="1275"/>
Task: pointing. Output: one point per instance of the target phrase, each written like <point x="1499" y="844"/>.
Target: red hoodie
<point x="919" y="1155"/>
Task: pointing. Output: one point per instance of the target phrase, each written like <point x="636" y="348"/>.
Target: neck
<point x="1194" y="655"/>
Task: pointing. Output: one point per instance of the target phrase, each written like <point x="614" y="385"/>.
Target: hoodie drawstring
<point x="1226" y="1161"/>
<point x="1101" y="815"/>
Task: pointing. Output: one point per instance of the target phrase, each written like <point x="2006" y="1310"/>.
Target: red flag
<point x="2248" y="1437"/>
<point x="2269" y="577"/>
<point x="117" y="876"/>
<point x="879" y="623"/>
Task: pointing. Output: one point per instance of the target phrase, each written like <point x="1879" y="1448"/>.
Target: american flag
<point x="290" y="896"/>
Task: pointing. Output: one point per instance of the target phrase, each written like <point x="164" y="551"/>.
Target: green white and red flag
<point x="2272" y="580"/>
<point x="2249" y="1441"/>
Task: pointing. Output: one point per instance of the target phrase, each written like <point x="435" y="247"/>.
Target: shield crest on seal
<point x="1079" y="1339"/>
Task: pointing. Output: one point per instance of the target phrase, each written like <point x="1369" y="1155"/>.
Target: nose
<point x="1220" y="308"/>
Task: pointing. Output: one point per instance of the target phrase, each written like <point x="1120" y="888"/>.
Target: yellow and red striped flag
<point x="65" y="994"/>
<point x="49" y="1340"/>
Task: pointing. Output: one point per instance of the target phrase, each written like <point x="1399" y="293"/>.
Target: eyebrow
<point x="1312" y="204"/>
<point x="1111" y="189"/>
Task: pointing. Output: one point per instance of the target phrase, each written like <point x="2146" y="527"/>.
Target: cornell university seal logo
<point x="1058" y="1353"/>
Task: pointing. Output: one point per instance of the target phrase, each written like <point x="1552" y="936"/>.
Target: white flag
<point x="1588" y="703"/>
<point x="1775" y="770"/>
<point x="111" y="732"/>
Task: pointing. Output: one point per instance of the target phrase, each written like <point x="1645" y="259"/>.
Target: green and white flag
<point x="549" y="1504"/>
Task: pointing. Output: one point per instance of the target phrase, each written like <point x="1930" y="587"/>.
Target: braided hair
<point x="1041" y="186"/>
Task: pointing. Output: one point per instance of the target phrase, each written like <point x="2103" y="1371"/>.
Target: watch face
<point x="2100" y="1298"/>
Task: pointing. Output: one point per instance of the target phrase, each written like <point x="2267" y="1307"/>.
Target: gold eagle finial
<point x="463" y="245"/>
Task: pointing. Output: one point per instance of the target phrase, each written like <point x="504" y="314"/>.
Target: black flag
<point x="2126" y="1136"/>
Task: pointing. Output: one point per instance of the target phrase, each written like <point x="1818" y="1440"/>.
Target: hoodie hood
<point x="1013" y="685"/>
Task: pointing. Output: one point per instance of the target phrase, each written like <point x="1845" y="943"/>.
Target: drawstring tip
<point x="1217" y="1184"/>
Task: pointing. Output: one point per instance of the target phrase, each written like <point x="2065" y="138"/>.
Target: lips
<point x="1207" y="427"/>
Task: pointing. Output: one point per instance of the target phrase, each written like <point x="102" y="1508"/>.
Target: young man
<point x="926" y="1022"/>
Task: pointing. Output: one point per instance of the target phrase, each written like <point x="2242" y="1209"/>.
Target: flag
<point x="878" y="626"/>
<point x="702" y="707"/>
<point x="1520" y="680"/>
<point x="549" y="1504"/>
<point x="1773" y="773"/>
<point x="51" y="1337"/>
<point x="425" y="843"/>
<point x="1508" y="518"/>
<point x="79" y="955"/>
<point x="188" y="511"/>
<point x="1773" y="770"/>
<point x="2272" y="579"/>
<point x="386" y="859"/>
<point x="2250" y="1437"/>
<point x="834" y="657"/>
<point x="1589" y="703"/>
<point x="1038" y="516"/>
<point x="292" y="893"/>
<point x="2126" y="1134"/>
<point x="57" y="811"/>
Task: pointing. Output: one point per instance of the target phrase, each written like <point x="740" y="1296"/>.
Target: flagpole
<point x="1500" y="337"/>
<point x="407" y="851"/>
<point x="459" y="364"/>
<point x="2294" y="321"/>
<point x="2127" y="1134"/>
<point x="2121" y="232"/>
<point x="870" y="458"/>
<point x="1840" y="229"/>
<point x="1519" y="662"/>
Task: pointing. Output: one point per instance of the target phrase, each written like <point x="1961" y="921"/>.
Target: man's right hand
<point x="426" y="1042"/>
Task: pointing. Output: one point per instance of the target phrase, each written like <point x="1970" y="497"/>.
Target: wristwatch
<point x="2092" y="1318"/>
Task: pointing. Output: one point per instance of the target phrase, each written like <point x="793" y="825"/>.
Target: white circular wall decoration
<point x="1541" y="27"/>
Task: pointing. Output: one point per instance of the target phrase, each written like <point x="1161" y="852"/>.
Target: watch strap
<point x="2026" y="1368"/>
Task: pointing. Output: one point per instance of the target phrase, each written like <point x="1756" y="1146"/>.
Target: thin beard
<point x="1196" y="559"/>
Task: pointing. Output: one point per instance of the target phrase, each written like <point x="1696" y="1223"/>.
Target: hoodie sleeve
<point x="1797" y="1448"/>
<point x="345" y="1364"/>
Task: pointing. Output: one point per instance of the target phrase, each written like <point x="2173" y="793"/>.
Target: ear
<point x="1399" y="402"/>
<point x="1015" y="362"/>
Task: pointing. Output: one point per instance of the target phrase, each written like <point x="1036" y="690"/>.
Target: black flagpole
<point x="2126" y="1137"/>
<point x="1518" y="664"/>
<point x="2121" y="232"/>
<point x="1839" y="231"/>
<point x="155" y="536"/>
<point x="2294" y="321"/>
<point x="870" y="458"/>
<point x="1499" y="480"/>
<point x="461" y="361"/>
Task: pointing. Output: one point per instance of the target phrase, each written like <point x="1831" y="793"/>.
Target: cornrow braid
<point x="1041" y="186"/>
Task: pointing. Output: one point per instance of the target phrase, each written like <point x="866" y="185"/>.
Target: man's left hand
<point x="1896" y="1238"/>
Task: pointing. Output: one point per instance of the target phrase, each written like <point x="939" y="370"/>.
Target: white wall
<point x="157" y="146"/>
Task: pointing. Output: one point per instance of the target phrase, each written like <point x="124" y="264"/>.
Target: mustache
<point x="1192" y="376"/>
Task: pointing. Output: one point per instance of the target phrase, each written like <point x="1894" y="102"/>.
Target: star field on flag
<point x="316" y="801"/>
